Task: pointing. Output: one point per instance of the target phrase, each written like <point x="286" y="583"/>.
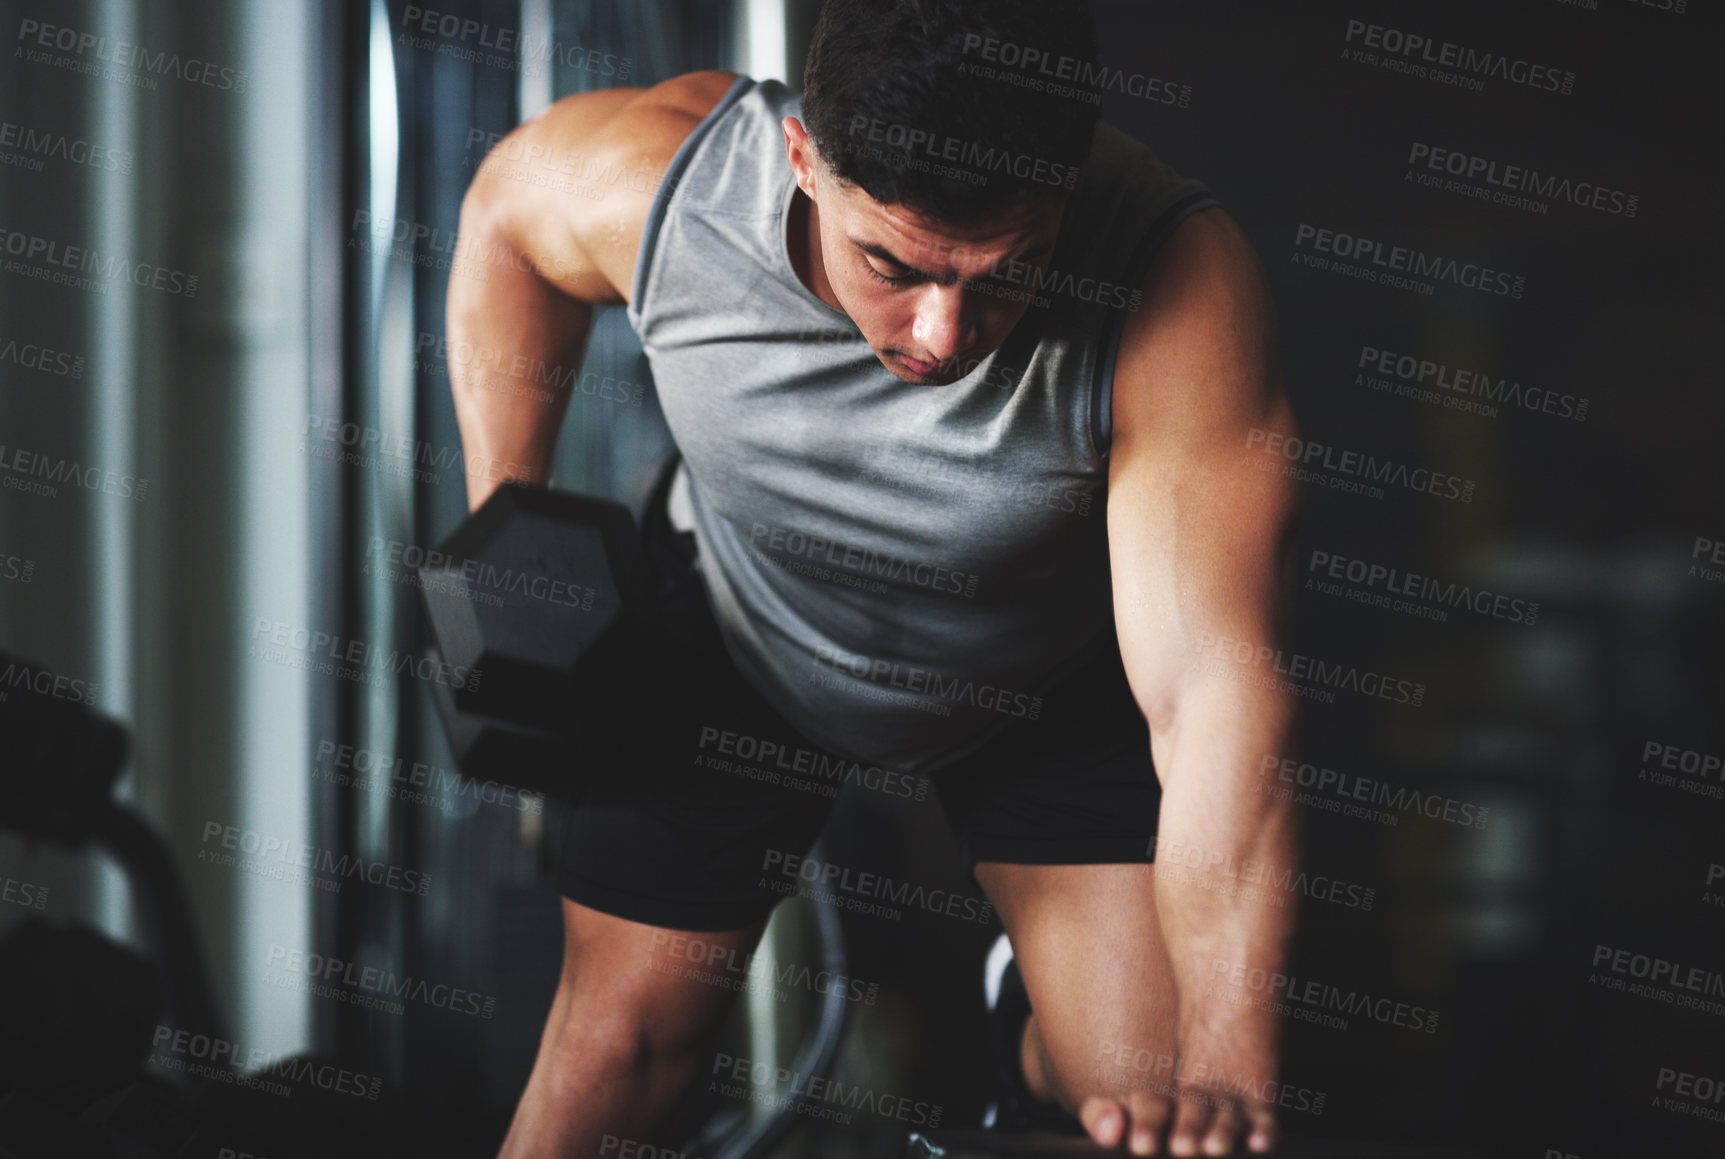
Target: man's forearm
<point x="1223" y="845"/>
<point x="515" y="346"/>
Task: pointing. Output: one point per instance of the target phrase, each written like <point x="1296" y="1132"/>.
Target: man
<point x="953" y="372"/>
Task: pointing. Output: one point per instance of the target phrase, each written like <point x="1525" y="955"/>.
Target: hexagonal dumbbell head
<point x="541" y="593"/>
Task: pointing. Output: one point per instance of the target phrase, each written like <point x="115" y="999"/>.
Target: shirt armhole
<point x="1102" y="389"/>
<point x="668" y="189"/>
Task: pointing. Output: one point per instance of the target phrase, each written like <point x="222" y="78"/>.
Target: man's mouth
<point x="922" y="369"/>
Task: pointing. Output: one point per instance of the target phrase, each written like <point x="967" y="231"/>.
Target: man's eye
<point x="893" y="280"/>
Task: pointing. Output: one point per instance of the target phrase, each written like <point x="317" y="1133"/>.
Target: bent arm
<point x="1200" y="543"/>
<point x="546" y="234"/>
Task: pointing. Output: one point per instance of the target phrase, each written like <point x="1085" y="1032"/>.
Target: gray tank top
<point x="900" y="570"/>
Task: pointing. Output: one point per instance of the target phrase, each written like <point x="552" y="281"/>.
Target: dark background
<point x="210" y="397"/>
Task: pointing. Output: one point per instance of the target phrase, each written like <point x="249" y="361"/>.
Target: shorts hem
<point x="672" y="914"/>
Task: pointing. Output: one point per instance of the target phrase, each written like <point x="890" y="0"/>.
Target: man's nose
<point x="944" y="326"/>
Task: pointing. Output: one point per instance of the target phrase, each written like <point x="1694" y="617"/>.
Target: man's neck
<point x="805" y="248"/>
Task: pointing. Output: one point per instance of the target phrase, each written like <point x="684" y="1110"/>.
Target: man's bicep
<point x="1199" y="551"/>
<point x="520" y="214"/>
<point x="1199" y="519"/>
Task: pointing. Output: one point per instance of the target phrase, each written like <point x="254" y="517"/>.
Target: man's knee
<point x="621" y="1046"/>
<point x="633" y="1003"/>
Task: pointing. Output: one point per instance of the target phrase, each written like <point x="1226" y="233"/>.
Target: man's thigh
<point x="686" y="818"/>
<point x="1089" y="947"/>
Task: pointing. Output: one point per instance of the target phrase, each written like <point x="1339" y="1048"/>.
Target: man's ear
<point x="800" y="151"/>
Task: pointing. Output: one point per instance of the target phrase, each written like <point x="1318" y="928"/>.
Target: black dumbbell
<point x="540" y="605"/>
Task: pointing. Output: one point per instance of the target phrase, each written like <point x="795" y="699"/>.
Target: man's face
<point x="931" y="298"/>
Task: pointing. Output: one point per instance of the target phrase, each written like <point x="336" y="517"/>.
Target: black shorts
<point x="717" y="791"/>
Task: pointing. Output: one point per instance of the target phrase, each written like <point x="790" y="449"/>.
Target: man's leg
<point x="623" y="1040"/>
<point x="1101" y="1039"/>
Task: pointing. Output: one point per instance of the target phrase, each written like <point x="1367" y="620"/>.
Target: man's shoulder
<point x="1206" y="327"/>
<point x="611" y="130"/>
<point x="1205" y="264"/>
<point x="674" y="107"/>
<point x="573" y="187"/>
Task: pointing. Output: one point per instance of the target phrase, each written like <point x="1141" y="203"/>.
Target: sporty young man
<point x="965" y="387"/>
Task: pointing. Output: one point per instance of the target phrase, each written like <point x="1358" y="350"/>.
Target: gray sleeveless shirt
<point x="900" y="570"/>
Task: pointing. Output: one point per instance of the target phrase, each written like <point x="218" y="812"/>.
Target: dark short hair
<point x="913" y="101"/>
